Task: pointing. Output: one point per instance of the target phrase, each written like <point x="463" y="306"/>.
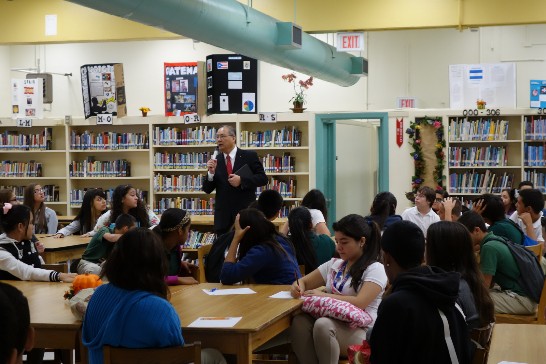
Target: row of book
<point x="14" y="140"/>
<point x="178" y="183"/>
<point x="477" y="156"/>
<point x="480" y="182"/>
<point x="189" y="136"/>
<point x="535" y="128"/>
<point x="198" y="238"/>
<point x="51" y="192"/>
<point x="286" y="137"/>
<point x="91" y="168"/>
<point x="534" y="155"/>
<point x="76" y="196"/>
<point x="538" y="178"/>
<point x="195" y="206"/>
<point x="463" y="129"/>
<point x="168" y="160"/>
<point x="274" y="164"/>
<point x="287" y="189"/>
<point x="107" y="140"/>
<point x="21" y="169"/>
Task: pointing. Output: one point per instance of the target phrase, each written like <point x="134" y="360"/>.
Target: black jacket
<point x="409" y="329"/>
<point x="230" y="200"/>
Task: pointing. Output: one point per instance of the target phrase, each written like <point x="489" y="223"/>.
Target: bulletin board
<point x="494" y="83"/>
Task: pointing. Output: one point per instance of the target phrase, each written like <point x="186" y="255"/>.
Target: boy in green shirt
<point x="102" y="243"/>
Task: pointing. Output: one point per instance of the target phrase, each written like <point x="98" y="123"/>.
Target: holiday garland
<point x="414" y="134"/>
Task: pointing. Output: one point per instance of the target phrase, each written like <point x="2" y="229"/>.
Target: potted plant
<point x="299" y="98"/>
<point x="145" y="110"/>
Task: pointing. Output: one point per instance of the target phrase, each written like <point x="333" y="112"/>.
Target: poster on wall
<point x="103" y="89"/>
<point x="27" y="99"/>
<point x="494" y="83"/>
<point x="538" y="94"/>
<point x="181" y="87"/>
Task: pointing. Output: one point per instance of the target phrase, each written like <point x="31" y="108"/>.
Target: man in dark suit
<point x="233" y="192"/>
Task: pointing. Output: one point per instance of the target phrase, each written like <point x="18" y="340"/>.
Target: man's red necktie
<point x="229" y="166"/>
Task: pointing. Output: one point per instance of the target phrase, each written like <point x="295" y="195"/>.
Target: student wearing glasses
<point x="45" y="219"/>
<point x="234" y="191"/>
<point x="422" y="213"/>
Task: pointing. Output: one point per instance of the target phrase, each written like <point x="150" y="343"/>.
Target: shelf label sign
<point x="399" y="132"/>
<point x="24" y="123"/>
<point x="350" y="41"/>
<point x="267" y="117"/>
<point x="192" y="119"/>
<point x="105" y="119"/>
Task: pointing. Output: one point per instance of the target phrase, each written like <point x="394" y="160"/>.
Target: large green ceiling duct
<point x="231" y="25"/>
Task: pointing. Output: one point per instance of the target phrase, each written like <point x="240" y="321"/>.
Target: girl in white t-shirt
<point x="315" y="201"/>
<point x="357" y="278"/>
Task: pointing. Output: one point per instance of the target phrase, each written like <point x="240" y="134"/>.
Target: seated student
<point x="508" y="198"/>
<point x="498" y="266"/>
<point x="315" y="201"/>
<point x="528" y="213"/>
<point x="409" y="326"/>
<point x="19" y="258"/>
<point x="93" y="205"/>
<point x="523" y="185"/>
<point x="422" y="213"/>
<point x="45" y="219"/>
<point x="450" y="247"/>
<point x="441" y="195"/>
<point x="269" y="202"/>
<point x="311" y="249"/>
<point x="358" y="278"/>
<point x="125" y="200"/>
<point x="101" y="245"/>
<point x="173" y="228"/>
<point x="133" y="310"/>
<point x="383" y="210"/>
<point x="491" y="208"/>
<point x="450" y="209"/>
<point x="16" y="334"/>
<point x="258" y="253"/>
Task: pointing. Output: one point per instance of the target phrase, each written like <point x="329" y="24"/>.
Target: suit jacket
<point x="230" y="200"/>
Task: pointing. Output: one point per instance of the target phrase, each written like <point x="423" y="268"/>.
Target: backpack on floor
<point x="531" y="277"/>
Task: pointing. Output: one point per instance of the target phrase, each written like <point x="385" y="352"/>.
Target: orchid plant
<point x="299" y="87"/>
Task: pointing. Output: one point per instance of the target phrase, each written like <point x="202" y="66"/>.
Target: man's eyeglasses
<point x="223" y="136"/>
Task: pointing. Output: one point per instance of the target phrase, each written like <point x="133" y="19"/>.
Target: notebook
<point x="244" y="171"/>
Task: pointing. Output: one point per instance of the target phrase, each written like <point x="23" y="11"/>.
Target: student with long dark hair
<point x="133" y="310"/>
<point x="125" y="200"/>
<point x="311" y="249"/>
<point x="174" y="228"/>
<point x="357" y="277"/>
<point x="45" y="219"/>
<point x="383" y="210"/>
<point x="449" y="246"/>
<point x="258" y="253"/>
<point x="19" y="258"/>
<point x="315" y="201"/>
<point x="93" y="205"/>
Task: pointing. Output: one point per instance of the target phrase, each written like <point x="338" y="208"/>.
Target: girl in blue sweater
<point x="259" y="254"/>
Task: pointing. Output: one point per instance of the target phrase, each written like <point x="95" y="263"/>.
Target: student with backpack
<point x="513" y="269"/>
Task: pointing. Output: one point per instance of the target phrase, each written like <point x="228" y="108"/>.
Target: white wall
<point x="143" y="68"/>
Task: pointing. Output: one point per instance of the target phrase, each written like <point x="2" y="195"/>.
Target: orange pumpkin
<point x="87" y="280"/>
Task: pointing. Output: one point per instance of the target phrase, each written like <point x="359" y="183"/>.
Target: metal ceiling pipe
<point x="236" y="27"/>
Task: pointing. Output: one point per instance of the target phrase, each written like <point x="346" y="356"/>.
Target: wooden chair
<point x="504" y="318"/>
<point x="537" y="249"/>
<point x="482" y="338"/>
<point x="189" y="353"/>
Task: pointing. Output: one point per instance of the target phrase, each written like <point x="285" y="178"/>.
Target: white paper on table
<point x="227" y="292"/>
<point x="282" y="294"/>
<point x="215" y="322"/>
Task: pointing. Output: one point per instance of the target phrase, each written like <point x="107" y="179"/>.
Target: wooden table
<point x="262" y="317"/>
<point x="62" y="249"/>
<point x="55" y="325"/>
<point x="518" y="343"/>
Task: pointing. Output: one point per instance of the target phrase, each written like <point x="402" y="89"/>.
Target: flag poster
<point x="181" y="81"/>
<point x="27" y="98"/>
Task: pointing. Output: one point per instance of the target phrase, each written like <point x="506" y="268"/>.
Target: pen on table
<point x="297" y="279"/>
<point x="213" y="289"/>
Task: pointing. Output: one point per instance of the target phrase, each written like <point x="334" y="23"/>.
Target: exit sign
<point x="406" y="103"/>
<point x="350" y="42"/>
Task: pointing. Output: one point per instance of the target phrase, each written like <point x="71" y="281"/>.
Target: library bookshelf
<point x="162" y="157"/>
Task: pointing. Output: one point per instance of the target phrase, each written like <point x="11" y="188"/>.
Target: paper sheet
<point x="282" y="294"/>
<point x="227" y="292"/>
<point x="215" y="322"/>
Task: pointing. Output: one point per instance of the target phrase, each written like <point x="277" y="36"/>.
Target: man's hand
<point x="211" y="165"/>
<point x="234" y="180"/>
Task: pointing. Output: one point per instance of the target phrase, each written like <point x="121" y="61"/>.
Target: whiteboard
<point x="495" y="83"/>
